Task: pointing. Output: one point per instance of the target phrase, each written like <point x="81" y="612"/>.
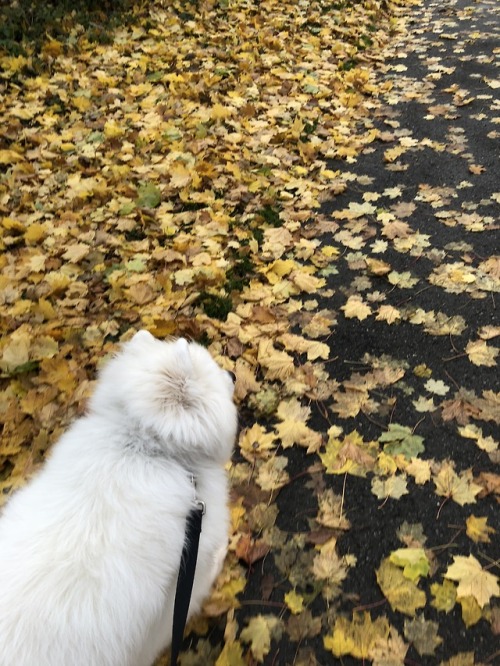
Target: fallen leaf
<point x="472" y="579"/>
<point x="478" y="530"/>
<point x="423" y="635"/>
<point x="358" y="637"/>
<point x="259" y="632"/>
<point x="402" y="594"/>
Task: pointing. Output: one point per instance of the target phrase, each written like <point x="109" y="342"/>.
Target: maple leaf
<point x="478" y="530"/>
<point x="461" y="407"/>
<point x="358" y="637"/>
<point x="460" y="488"/>
<point x="480" y="353"/>
<point x="413" y="560"/>
<point x="420" y="470"/>
<point x="436" y="386"/>
<point x="303" y="626"/>
<point x="423" y="634"/>
<point x="294" y="601"/>
<point x="328" y="566"/>
<point x="471" y="612"/>
<point x="356" y="308"/>
<point x="230" y="583"/>
<point x="445" y="595"/>
<point x="259" y="633"/>
<point x="389" y="652"/>
<point x="377" y="267"/>
<point x="256" y="442"/>
<point x="401" y="593"/>
<point x="278" y="364"/>
<point x="401" y="440"/>
<point x="231" y="655"/>
<point x="394" y="486"/>
<point x="272" y="475"/>
<point x="388" y="313"/>
<point x="251" y="550"/>
<point x="330" y="511"/>
<point x="487" y="444"/>
<point x="293" y="429"/>
<point x="472" y="579"/>
<point x="351" y="455"/>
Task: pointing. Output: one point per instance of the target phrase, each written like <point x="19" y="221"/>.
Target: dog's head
<point x="174" y="389"/>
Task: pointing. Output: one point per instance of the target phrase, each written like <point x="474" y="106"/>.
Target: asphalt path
<point x="435" y="167"/>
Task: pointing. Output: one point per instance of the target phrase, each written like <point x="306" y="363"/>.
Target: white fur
<point x="90" y="548"/>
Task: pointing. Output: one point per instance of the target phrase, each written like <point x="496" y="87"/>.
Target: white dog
<point x="90" y="549"/>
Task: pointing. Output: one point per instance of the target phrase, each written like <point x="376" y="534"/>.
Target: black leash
<point x="186" y="578"/>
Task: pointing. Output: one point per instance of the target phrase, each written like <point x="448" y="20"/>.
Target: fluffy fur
<point x="90" y="548"/>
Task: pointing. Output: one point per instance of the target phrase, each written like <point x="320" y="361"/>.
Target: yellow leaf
<point x="282" y="267"/>
<point x="238" y="513"/>
<point x="472" y="579"/>
<point x="297" y="343"/>
<point x="472" y="431"/>
<point x="460" y="488"/>
<point x="224" y="597"/>
<point x="356" y="308"/>
<point x="259" y="633"/>
<point x="393" y="486"/>
<point x="112" y="130"/>
<point x="180" y="176"/>
<point x="8" y="156"/>
<point x="307" y="282"/>
<point x="471" y="613"/>
<point x="278" y="364"/>
<point x="17" y="350"/>
<point x="351" y="455"/>
<point x="34" y="233"/>
<point x="293" y="429"/>
<point x="330" y="511"/>
<point x="388" y="313"/>
<point x="272" y="475"/>
<point x="403" y="280"/>
<point x="82" y="103"/>
<point x="445" y="595"/>
<point x="420" y="470"/>
<point x="231" y="655"/>
<point x="390" y="652"/>
<point x="256" y="442"/>
<point x="76" y="252"/>
<point x="357" y="638"/>
<point x="220" y="112"/>
<point x="478" y="530"/>
<point x="377" y="266"/>
<point x="413" y="560"/>
<point x="327" y="565"/>
<point x="294" y="601"/>
<point x="401" y="593"/>
<point x="480" y="353"/>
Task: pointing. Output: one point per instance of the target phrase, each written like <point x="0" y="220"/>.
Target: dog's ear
<point x="142" y="335"/>
<point x="183" y="355"/>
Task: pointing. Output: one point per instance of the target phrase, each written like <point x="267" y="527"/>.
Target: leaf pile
<point x="202" y="175"/>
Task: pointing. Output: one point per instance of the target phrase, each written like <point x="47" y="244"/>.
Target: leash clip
<point x="202" y="506"/>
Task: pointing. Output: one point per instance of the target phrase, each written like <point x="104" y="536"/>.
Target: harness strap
<point x="186" y="578"/>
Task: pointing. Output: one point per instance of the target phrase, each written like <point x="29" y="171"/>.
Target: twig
<point x="364" y="607"/>
<point x="451" y="378"/>
<point x="342" y="498"/>
<point x="442" y="504"/>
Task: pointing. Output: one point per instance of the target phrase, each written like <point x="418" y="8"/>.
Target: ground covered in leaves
<point x="310" y="189"/>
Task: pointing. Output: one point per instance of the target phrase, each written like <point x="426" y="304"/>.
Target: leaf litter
<point x="201" y="174"/>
